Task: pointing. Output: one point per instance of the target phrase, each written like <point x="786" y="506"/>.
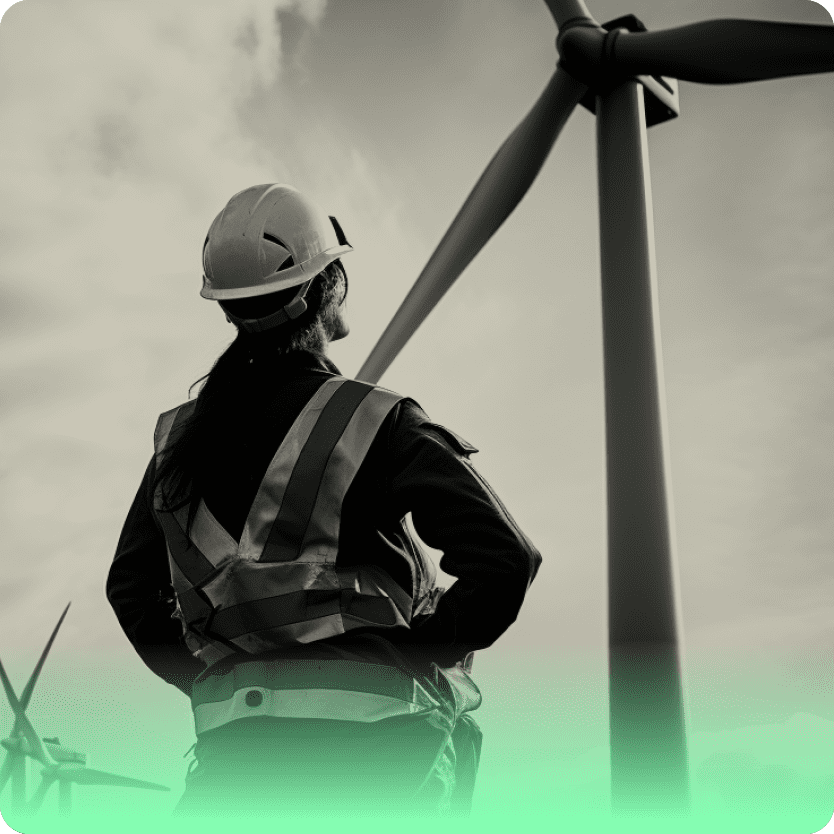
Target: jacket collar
<point x="301" y="361"/>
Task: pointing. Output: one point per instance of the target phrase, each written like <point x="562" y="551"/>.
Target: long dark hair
<point x="244" y="363"/>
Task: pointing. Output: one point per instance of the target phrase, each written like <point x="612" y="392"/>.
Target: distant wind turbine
<point x="63" y="765"/>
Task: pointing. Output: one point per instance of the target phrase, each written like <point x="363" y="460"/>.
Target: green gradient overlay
<point x="760" y="748"/>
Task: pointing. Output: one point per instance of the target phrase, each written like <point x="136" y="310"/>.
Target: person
<point x="266" y="567"/>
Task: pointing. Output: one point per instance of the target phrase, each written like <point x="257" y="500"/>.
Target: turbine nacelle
<point x="63" y="754"/>
<point x="595" y="58"/>
<point x="19" y="745"/>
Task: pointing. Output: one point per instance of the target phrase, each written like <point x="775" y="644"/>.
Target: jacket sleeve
<point x="140" y="592"/>
<point x="455" y="510"/>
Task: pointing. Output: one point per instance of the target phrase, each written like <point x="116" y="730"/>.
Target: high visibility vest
<point x="279" y="585"/>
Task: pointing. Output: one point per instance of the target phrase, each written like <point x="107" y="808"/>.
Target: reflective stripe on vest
<point x="279" y="585"/>
<point x="332" y="689"/>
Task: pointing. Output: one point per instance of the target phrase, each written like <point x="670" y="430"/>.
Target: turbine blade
<point x="86" y="776"/>
<point x="7" y="685"/>
<point x="27" y="692"/>
<point x="499" y="190"/>
<point x="40" y="794"/>
<point x="22" y="725"/>
<point x="6" y="769"/>
<point x="727" y="51"/>
<point x="13" y="702"/>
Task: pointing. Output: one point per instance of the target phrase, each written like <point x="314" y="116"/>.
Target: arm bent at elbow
<point x="455" y="510"/>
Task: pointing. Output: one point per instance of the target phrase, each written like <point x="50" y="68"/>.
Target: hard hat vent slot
<point x="288" y="261"/>
<point x="340" y="235"/>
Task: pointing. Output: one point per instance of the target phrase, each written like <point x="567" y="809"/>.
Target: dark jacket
<point x="413" y="466"/>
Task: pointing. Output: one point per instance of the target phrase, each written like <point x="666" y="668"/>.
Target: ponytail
<point x="244" y="365"/>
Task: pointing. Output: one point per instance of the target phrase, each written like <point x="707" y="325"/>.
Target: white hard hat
<point x="268" y="238"/>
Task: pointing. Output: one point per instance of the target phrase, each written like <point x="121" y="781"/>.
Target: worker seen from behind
<point x="266" y="567"/>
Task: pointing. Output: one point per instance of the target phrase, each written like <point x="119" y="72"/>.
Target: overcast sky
<point x="126" y="126"/>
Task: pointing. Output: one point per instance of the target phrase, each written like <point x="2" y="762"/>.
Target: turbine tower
<point x="63" y="765"/>
<point x="627" y="76"/>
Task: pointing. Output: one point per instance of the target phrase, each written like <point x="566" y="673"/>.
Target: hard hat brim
<point x="281" y="280"/>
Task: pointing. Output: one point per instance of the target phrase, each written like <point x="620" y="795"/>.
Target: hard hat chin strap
<point x="292" y="311"/>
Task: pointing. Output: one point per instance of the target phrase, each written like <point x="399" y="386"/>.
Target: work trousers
<point x="397" y="766"/>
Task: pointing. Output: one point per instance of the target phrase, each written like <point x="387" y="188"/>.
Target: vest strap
<point x="286" y="537"/>
<point x="280" y="585"/>
<point x="270" y="495"/>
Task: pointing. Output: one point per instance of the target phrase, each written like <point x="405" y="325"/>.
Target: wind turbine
<point x="627" y="76"/>
<point x="63" y="765"/>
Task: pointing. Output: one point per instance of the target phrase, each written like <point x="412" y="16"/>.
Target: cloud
<point x="123" y="129"/>
<point x="123" y="117"/>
